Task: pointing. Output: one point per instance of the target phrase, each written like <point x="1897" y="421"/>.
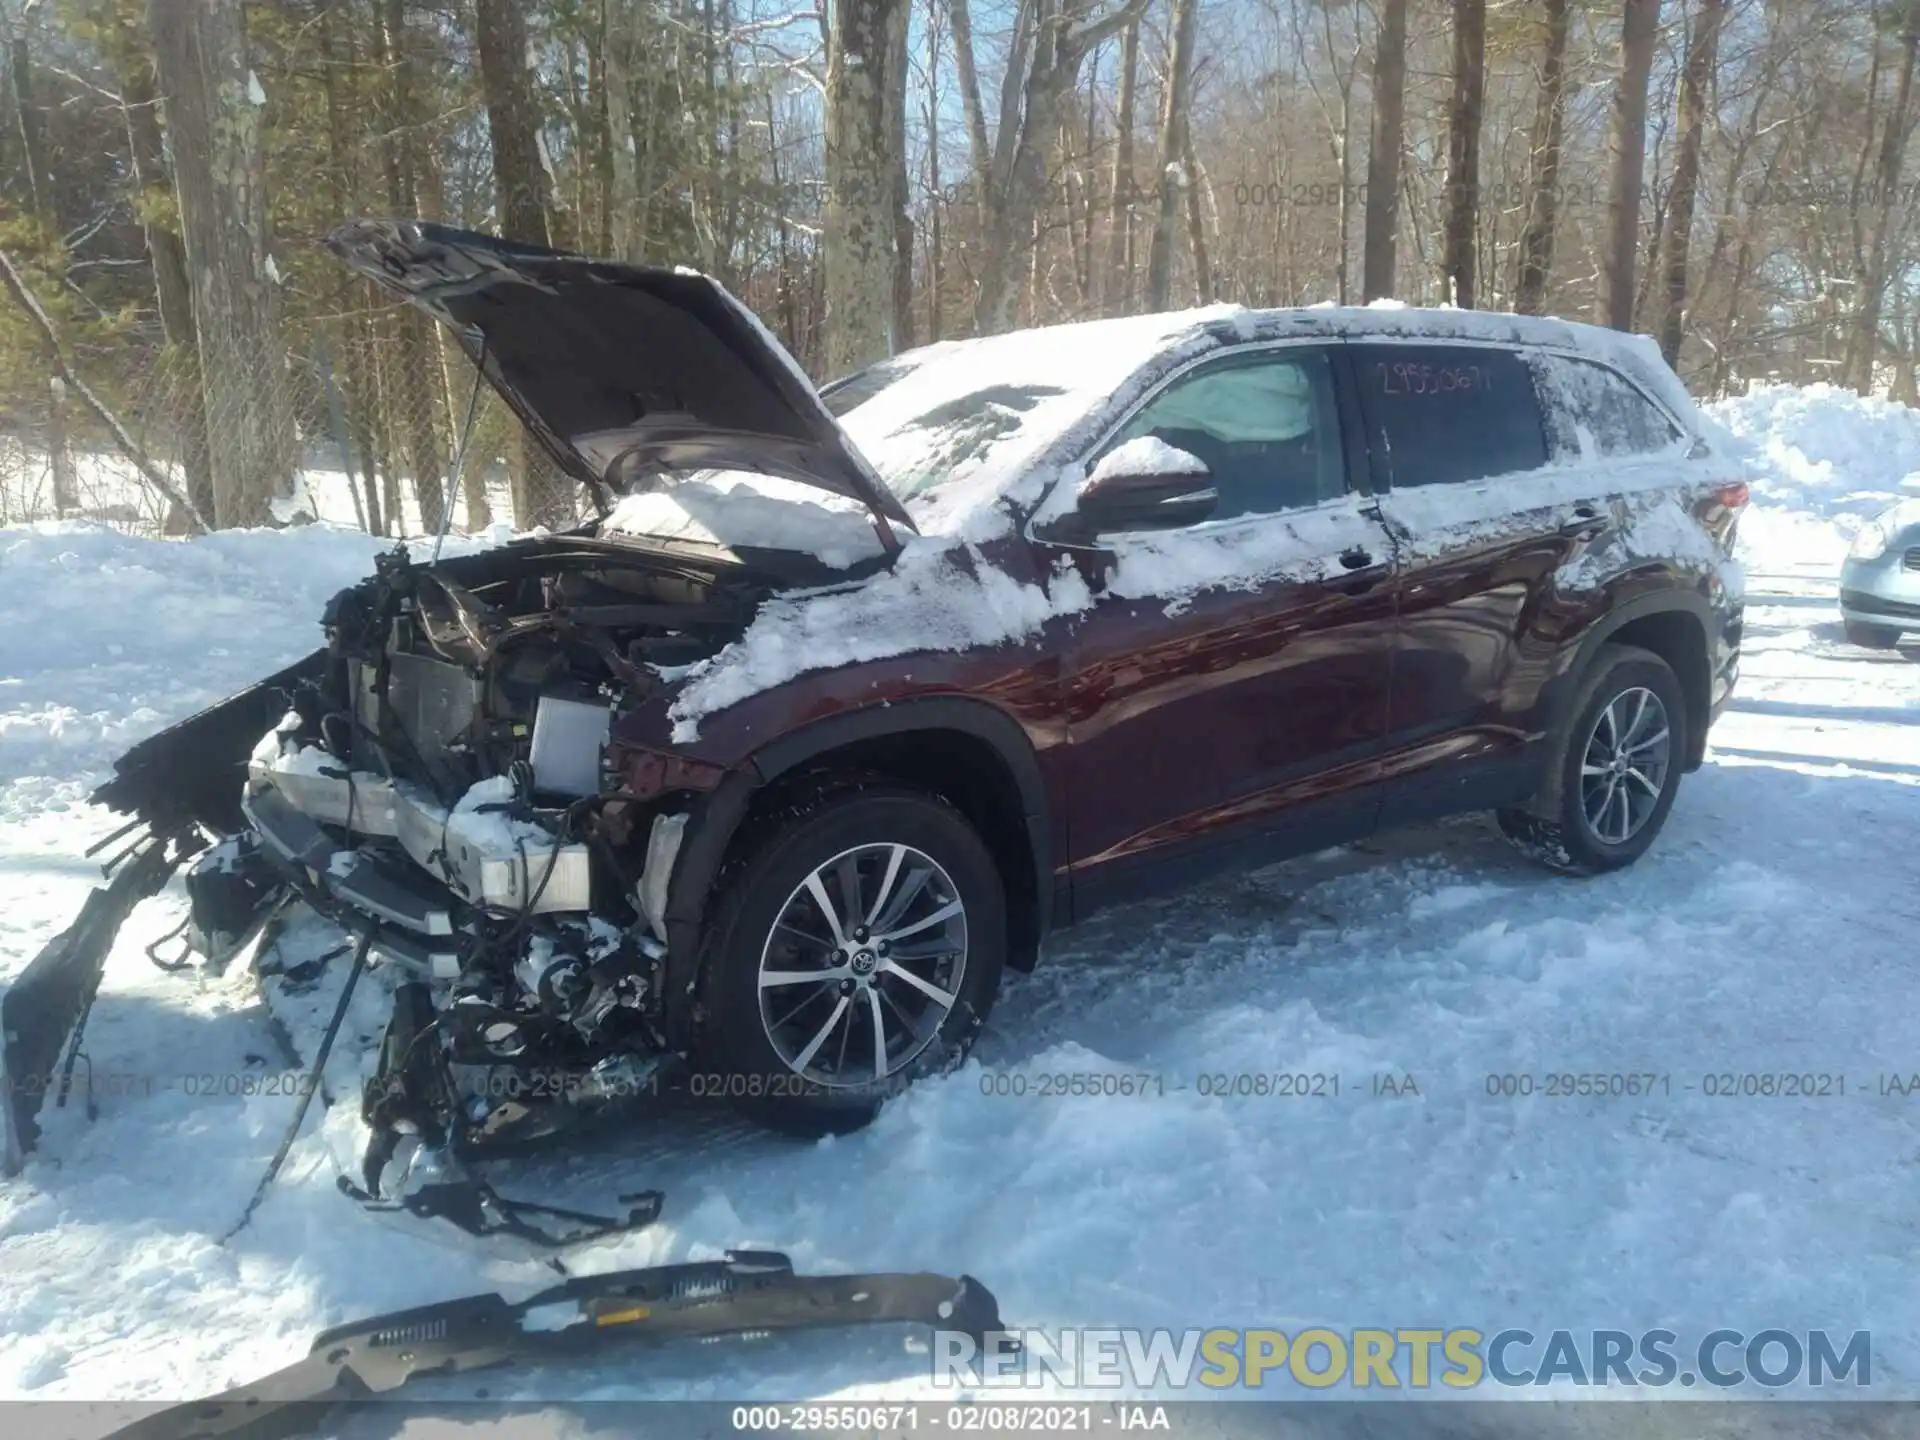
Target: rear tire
<point x="1871" y="637"/>
<point x="1613" y="778"/>
<point x="925" y="938"/>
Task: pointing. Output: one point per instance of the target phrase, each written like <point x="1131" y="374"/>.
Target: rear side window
<point x="1594" y="413"/>
<point x="1450" y="414"/>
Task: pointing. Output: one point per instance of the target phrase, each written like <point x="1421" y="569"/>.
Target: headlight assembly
<point x="1870" y="543"/>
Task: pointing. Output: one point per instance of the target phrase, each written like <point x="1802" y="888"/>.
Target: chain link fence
<point x="356" y="422"/>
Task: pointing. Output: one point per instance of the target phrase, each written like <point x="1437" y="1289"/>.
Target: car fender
<point x="718" y="818"/>
<point x="1670" y="599"/>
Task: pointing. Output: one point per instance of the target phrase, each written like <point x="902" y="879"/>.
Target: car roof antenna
<point x="460" y="454"/>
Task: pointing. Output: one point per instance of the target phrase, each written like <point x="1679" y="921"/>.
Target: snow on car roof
<point x="958" y="427"/>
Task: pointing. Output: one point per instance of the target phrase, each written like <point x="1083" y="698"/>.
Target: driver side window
<point x="1265" y="425"/>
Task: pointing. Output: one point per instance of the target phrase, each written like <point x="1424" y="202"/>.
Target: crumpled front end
<point x="453" y="781"/>
<point x="448" y="788"/>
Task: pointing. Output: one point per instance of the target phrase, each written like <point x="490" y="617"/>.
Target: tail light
<point x="1719" y="511"/>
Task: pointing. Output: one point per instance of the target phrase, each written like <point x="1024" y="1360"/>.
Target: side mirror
<point x="1145" y="484"/>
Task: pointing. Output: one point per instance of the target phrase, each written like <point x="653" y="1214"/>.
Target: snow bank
<point x="1821" y="462"/>
<point x="110" y="637"/>
<point x="1824" y="450"/>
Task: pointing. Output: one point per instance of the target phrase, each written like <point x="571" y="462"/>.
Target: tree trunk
<point x="1863" y="337"/>
<point x="1695" y="80"/>
<point x="1383" y="153"/>
<point x="32" y="124"/>
<point x="1197" y="230"/>
<point x="1118" y="284"/>
<point x="356" y="378"/>
<point x="1627" y="149"/>
<point x="1644" y="315"/>
<point x="1171" y="158"/>
<point x="66" y="495"/>
<point x="936" y="204"/>
<point x="970" y="106"/>
<point x="200" y="48"/>
<point x="414" y="391"/>
<point x="865" y="162"/>
<point x="521" y="200"/>
<point x="902" y="222"/>
<point x="1543" y="190"/>
<point x="1059" y="46"/>
<point x="132" y="65"/>
<point x="513" y="122"/>
<point x="1463" y="147"/>
<point x="623" y="198"/>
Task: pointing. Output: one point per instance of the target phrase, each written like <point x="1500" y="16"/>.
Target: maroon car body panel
<point x="1249" y="724"/>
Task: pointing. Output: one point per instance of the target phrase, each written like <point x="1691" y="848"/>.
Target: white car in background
<point x="1880" y="581"/>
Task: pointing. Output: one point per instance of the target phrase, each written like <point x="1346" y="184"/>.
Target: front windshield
<point x="944" y="435"/>
<point x="956" y="427"/>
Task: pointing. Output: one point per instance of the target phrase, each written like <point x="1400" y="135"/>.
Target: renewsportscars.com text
<point x="1319" y="1358"/>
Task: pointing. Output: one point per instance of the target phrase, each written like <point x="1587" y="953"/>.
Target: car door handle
<point x="1358" y="558"/>
<point x="1584" y="523"/>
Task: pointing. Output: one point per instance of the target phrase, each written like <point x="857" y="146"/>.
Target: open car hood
<point x="621" y="371"/>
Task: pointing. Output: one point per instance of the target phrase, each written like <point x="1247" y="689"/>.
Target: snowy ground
<point x="1770" y="930"/>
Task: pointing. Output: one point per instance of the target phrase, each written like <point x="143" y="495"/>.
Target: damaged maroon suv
<point x="849" y="697"/>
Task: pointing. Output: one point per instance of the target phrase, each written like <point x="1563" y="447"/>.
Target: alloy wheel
<point x="1624" y="768"/>
<point x="864" y="963"/>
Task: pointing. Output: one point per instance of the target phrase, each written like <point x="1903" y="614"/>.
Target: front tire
<point x="1614" y="778"/>
<point x="856" y="945"/>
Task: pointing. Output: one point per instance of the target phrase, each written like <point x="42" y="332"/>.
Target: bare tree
<point x="1383" y="153"/>
<point x="1464" y="110"/>
<point x="414" y="390"/>
<point x="1171" y="161"/>
<point x="865" y="168"/>
<point x="623" y="195"/>
<point x="1695" y="80"/>
<point x="1863" y="334"/>
<point x="1543" y="179"/>
<point x="1627" y="147"/>
<point x="1117" y="284"/>
<point x="27" y="111"/>
<point x="130" y="60"/>
<point x="213" y="102"/>
<point x="980" y="149"/>
<point x="521" y="191"/>
<point x="513" y="122"/>
<point x="1064" y="33"/>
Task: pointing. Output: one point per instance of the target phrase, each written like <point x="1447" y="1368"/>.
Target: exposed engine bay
<point x="452" y="780"/>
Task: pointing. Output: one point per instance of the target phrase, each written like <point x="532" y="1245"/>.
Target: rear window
<point x="1593" y="413"/>
<point x="1451" y="414"/>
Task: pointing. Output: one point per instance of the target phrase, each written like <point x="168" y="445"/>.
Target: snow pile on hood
<point x="735" y="507"/>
